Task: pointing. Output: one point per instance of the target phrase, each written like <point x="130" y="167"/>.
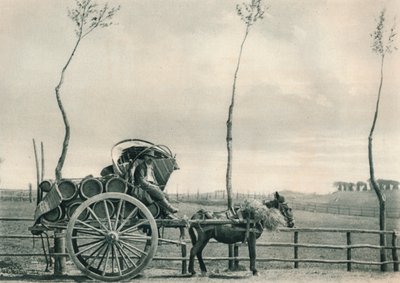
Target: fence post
<point x="296" y="249"/>
<point x="30" y="192"/>
<point x="230" y="253"/>
<point x="348" y="235"/>
<point x="183" y="250"/>
<point x="394" y="252"/>
<point x="59" y="247"/>
<point x="236" y="255"/>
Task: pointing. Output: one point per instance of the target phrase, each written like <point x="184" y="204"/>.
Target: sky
<point x="306" y="92"/>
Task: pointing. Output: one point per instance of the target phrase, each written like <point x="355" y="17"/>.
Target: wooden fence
<point x="296" y="245"/>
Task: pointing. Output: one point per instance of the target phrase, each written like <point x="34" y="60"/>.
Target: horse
<point x="236" y="232"/>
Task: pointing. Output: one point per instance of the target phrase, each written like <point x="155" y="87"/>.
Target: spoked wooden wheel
<point x="115" y="242"/>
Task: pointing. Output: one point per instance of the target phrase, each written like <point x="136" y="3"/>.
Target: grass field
<point x="35" y="265"/>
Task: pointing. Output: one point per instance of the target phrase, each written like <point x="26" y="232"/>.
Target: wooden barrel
<point x="73" y="206"/>
<point x="90" y="187"/>
<point x="99" y="208"/>
<point x="54" y="215"/>
<point x="154" y="209"/>
<point x="116" y="185"/>
<point x="46" y="185"/>
<point x="68" y="189"/>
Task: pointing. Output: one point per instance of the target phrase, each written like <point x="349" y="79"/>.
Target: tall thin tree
<point x="87" y="17"/>
<point x="249" y="14"/>
<point x="382" y="44"/>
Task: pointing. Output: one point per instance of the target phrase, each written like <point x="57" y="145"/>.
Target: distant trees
<point x="383" y="184"/>
<point x="382" y="44"/>
<point x="87" y="17"/>
<point x="249" y="14"/>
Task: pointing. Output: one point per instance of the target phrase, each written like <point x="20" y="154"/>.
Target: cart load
<point x="59" y="200"/>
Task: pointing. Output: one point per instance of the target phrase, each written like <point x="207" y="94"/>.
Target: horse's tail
<point x="192" y="235"/>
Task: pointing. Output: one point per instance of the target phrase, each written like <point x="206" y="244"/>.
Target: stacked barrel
<point x="75" y="191"/>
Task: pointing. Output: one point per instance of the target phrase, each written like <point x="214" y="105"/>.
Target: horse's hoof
<point x="204" y="273"/>
<point x="255" y="273"/>
<point x="192" y="272"/>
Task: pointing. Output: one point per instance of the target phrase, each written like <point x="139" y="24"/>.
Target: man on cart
<point x="144" y="177"/>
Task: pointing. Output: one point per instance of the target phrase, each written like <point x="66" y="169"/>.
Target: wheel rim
<point x="117" y="246"/>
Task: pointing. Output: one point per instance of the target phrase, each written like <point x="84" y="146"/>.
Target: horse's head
<point x="279" y="203"/>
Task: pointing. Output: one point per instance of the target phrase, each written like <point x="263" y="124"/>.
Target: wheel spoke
<point x="121" y="250"/>
<point x="86" y="231"/>
<point x="122" y="254"/>
<point x="89" y="243"/>
<point x="134" y="249"/>
<point x="89" y="248"/>
<point x="117" y="260"/>
<point x="118" y="212"/>
<point x="112" y="258"/>
<point x="97" y="251"/>
<point x="127" y="218"/>
<point x="107" y="214"/>
<point x="106" y="263"/>
<point x="88" y="237"/>
<point x="133" y="228"/>
<point x="126" y="264"/>
<point x="90" y="226"/>
<point x="104" y="254"/>
<point x="97" y="218"/>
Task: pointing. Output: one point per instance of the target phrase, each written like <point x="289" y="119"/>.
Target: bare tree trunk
<point x="229" y="127"/>
<point x="42" y="161"/>
<point x="61" y="160"/>
<point x="381" y="196"/>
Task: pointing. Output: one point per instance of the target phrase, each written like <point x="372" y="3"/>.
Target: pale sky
<point x="306" y="91"/>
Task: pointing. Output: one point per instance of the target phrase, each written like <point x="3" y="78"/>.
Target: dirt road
<point x="275" y="276"/>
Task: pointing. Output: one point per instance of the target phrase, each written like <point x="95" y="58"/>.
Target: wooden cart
<point x="110" y="223"/>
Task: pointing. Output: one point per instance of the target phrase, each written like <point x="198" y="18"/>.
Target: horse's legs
<point x="200" y="255"/>
<point x="193" y="250"/>
<point x="251" y="243"/>
<point x="196" y="244"/>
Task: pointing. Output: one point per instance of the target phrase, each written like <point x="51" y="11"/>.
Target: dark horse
<point x="232" y="233"/>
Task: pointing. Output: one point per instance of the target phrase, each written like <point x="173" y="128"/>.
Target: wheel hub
<point x="112" y="237"/>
